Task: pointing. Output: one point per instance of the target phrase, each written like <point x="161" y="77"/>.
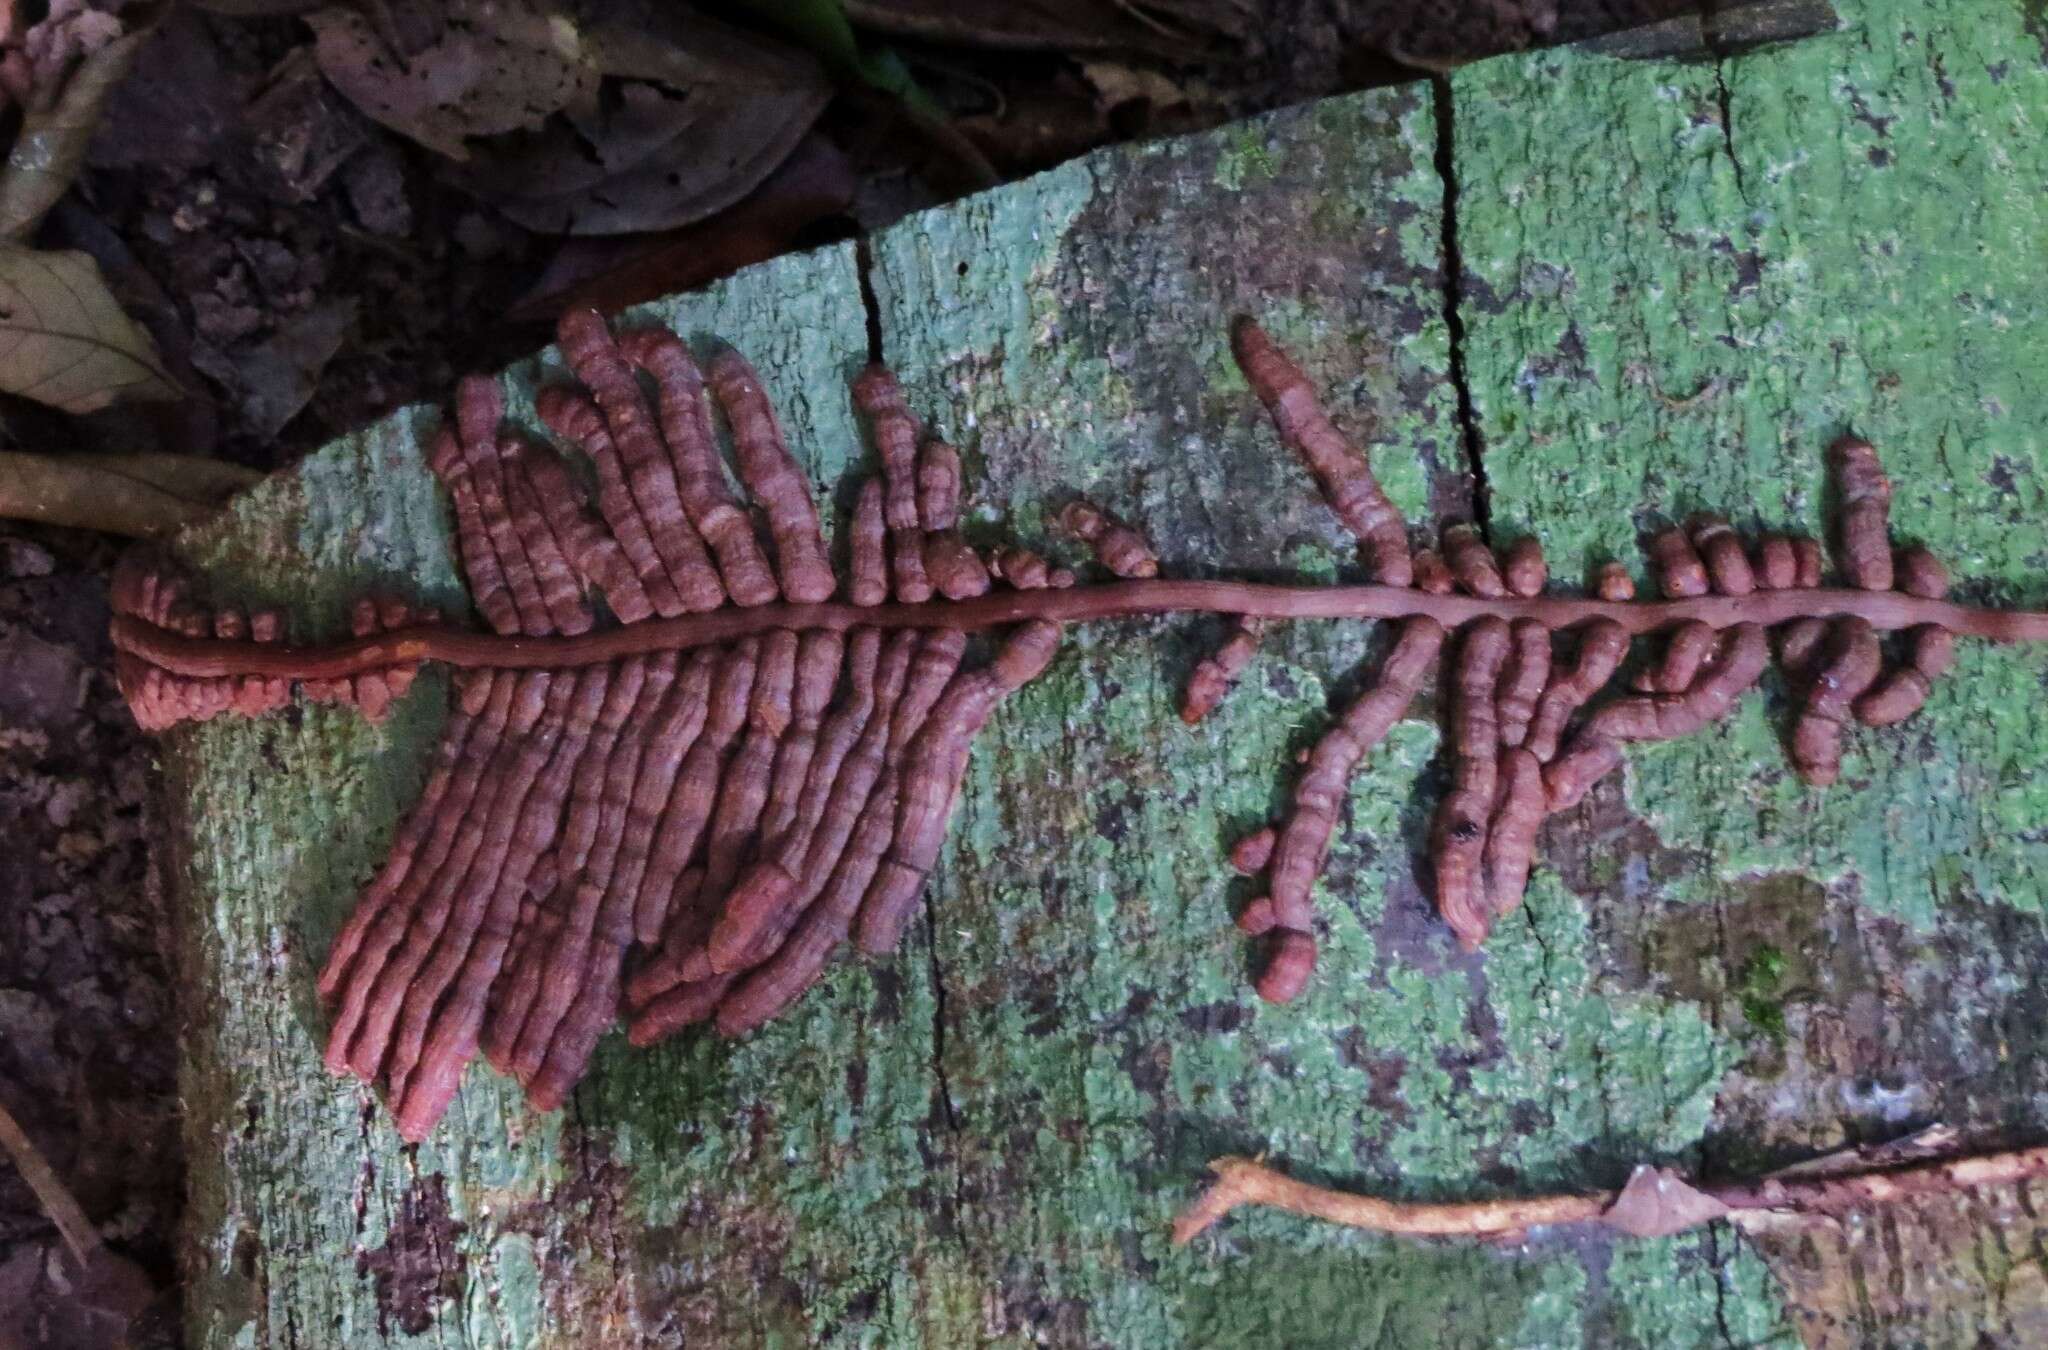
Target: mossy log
<point x="1675" y="281"/>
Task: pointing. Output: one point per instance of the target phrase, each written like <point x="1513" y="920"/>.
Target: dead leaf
<point x="71" y="29"/>
<point x="275" y="379"/>
<point x="300" y="131"/>
<point x="610" y="274"/>
<point x="56" y="130"/>
<point x="682" y="48"/>
<point x="255" y="9"/>
<point x="1117" y="84"/>
<point x="719" y="152"/>
<point x="691" y="116"/>
<point x="587" y="145"/>
<point x="63" y="339"/>
<point x="1177" y="30"/>
<point x="697" y="114"/>
<point x="1657" y="1202"/>
<point x="488" y="66"/>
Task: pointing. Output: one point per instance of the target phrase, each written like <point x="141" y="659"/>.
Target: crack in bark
<point x="1443" y="105"/>
<point x="1718" y="1265"/>
<point x="942" y="1084"/>
<point x="1710" y="31"/>
<point x="947" y="1110"/>
<point x="1721" y="99"/>
<point x="870" y="304"/>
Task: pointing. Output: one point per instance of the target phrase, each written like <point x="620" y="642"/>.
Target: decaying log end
<point x="682" y="775"/>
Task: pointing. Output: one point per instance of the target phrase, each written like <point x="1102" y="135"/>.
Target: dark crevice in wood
<point x="1444" y="105"/>
<point x="1720" y="47"/>
<point x="870" y="304"/>
<point x="948" y="1112"/>
<point x="1728" y="126"/>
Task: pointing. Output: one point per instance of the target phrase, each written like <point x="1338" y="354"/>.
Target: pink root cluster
<point x="691" y="764"/>
<point x="676" y="838"/>
<point x="147" y="588"/>
<point x="1516" y="753"/>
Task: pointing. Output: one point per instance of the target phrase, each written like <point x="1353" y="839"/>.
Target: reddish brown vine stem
<point x="1885" y="611"/>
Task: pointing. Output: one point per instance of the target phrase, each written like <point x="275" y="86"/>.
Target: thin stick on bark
<point x="1245" y="1181"/>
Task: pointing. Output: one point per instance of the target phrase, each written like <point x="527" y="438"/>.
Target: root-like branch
<point x="1656" y="1201"/>
<point x="1885" y="611"/>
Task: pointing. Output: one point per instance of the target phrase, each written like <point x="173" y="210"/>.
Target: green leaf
<point x="822" y="28"/>
<point x="64" y="340"/>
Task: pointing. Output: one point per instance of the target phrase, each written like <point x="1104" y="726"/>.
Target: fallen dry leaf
<point x="588" y="144"/>
<point x="609" y="274"/>
<point x="63" y="339"/>
<point x="1657" y="1202"/>
<point x="142" y="495"/>
<point x="1170" y="29"/>
<point x="696" y="116"/>
<point x="274" y="379"/>
<point x="707" y="167"/>
<point x="627" y="118"/>
<point x="71" y="29"/>
<point x="486" y="66"/>
<point x="253" y="9"/>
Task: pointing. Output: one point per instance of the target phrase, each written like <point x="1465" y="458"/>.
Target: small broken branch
<point x="55" y="1197"/>
<point x="141" y="495"/>
<point x="1655" y="1203"/>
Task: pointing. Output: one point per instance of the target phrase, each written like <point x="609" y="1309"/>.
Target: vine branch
<point x="1884" y="611"/>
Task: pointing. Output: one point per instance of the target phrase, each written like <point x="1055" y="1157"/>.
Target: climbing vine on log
<point x="681" y="812"/>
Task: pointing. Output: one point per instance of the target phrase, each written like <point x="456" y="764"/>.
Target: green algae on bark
<point x="1796" y="242"/>
<point x="1817" y="280"/>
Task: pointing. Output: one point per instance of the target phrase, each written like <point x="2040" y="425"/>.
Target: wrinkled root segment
<point x="690" y="764"/>
<point x="147" y="590"/>
<point x="678" y="837"/>
<point x="1517" y="753"/>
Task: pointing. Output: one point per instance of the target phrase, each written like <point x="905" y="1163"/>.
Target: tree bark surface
<point x="1677" y="281"/>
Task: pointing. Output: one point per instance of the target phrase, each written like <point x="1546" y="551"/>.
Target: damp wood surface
<point x="1681" y="280"/>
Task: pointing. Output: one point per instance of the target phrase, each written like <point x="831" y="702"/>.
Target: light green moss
<point x="1854" y="265"/>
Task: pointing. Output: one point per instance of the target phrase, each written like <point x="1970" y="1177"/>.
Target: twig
<point x="64" y="1211"/>
<point x="1243" y="1181"/>
<point x="1656" y="1201"/>
<point x="142" y="495"/>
